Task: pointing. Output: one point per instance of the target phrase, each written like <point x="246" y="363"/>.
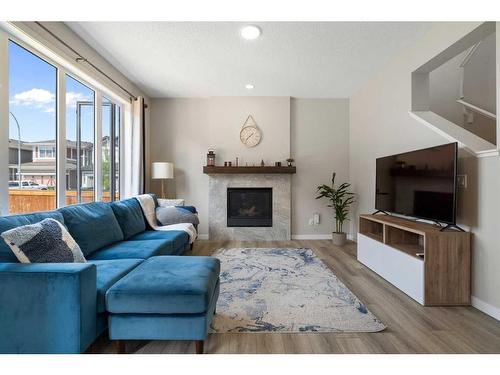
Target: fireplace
<point x="249" y="207"/>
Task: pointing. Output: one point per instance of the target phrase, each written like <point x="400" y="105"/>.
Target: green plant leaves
<point x="340" y="200"/>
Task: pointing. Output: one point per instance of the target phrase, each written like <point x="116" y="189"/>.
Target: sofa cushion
<point x="133" y="250"/>
<point x="166" y="285"/>
<point x="178" y="238"/>
<point x="108" y="273"/>
<point x="45" y="242"/>
<point x="129" y="214"/>
<point x="10" y="222"/>
<point x="92" y="225"/>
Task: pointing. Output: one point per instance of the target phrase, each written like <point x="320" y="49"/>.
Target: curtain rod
<point x="82" y="59"/>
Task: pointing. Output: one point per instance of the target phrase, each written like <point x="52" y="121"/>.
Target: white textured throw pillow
<point x="45" y="242"/>
<point x="170" y="202"/>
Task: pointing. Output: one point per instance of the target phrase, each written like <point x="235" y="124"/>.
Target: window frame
<point x="61" y="72"/>
<point x="79" y="184"/>
<point x="116" y="111"/>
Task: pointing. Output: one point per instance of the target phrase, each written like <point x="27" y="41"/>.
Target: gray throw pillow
<point x="45" y="242"/>
<point x="168" y="215"/>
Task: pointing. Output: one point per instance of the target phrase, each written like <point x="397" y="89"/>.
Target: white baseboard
<point x="318" y="237"/>
<point x="297" y="237"/>
<point x="488" y="309"/>
<point x="311" y="236"/>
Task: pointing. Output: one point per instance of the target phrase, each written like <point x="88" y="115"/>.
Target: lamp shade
<point x="162" y="170"/>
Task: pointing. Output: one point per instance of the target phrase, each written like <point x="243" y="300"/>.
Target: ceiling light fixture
<point x="249" y="86"/>
<point x="250" y="32"/>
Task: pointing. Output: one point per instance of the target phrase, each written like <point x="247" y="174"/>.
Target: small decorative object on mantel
<point x="236" y="164"/>
<point x="229" y="164"/>
<point x="250" y="134"/>
<point x="225" y="164"/>
<point x="340" y="199"/>
<point x="277" y="164"/>
<point x="211" y="158"/>
<point x="262" y="163"/>
<point x="290" y="161"/>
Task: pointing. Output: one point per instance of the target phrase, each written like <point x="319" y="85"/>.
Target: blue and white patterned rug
<point x="285" y="290"/>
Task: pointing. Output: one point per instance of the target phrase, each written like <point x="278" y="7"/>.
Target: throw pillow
<point x="169" y="215"/>
<point x="45" y="242"/>
<point x="170" y="202"/>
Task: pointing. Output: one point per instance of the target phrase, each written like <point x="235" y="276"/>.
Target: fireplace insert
<point x="249" y="207"/>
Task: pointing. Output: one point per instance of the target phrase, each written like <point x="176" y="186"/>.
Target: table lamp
<point x="162" y="171"/>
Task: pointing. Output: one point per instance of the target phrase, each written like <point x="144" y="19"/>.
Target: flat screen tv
<point x="421" y="183"/>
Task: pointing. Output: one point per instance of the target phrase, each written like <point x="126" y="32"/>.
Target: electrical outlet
<point x="462" y="181"/>
<point x="316" y="218"/>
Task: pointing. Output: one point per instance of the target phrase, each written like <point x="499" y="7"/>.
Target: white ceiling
<point x="200" y="59"/>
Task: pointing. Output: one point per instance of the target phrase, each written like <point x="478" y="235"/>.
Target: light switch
<point x="462" y="181"/>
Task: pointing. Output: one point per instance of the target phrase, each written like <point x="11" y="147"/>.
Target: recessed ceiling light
<point x="250" y="32"/>
<point x="249" y="86"/>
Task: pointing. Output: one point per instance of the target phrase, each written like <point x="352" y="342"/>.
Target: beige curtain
<point x="133" y="153"/>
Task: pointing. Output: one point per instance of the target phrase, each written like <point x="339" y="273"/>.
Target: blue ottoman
<point x="165" y="298"/>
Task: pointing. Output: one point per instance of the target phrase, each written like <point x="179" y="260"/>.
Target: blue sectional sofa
<point x="61" y="308"/>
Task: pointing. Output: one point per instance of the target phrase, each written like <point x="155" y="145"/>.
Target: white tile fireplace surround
<point x="281" y="206"/>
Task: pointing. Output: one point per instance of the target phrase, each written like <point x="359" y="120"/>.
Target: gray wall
<point x="380" y="125"/>
<point x="320" y="146"/>
<point x="313" y="131"/>
<point x="180" y="133"/>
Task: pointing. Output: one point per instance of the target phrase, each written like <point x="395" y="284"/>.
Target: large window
<point x="32" y="132"/>
<point x="83" y="149"/>
<point x="80" y="131"/>
<point x="110" y="160"/>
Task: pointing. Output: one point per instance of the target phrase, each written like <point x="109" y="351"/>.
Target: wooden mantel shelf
<point x="249" y="170"/>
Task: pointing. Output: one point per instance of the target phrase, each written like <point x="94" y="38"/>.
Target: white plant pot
<point x="339" y="239"/>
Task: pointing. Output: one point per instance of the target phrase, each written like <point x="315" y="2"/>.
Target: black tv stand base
<point x="451" y="226"/>
<point x="381" y="211"/>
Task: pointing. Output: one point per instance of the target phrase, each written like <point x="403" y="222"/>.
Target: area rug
<point x="285" y="290"/>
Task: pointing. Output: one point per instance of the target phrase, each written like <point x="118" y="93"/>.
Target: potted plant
<point x="340" y="199"/>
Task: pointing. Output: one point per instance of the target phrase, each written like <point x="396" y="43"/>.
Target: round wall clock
<point x="250" y="135"/>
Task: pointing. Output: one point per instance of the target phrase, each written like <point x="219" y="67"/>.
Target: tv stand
<point x="450" y="226"/>
<point x="430" y="265"/>
<point x="381" y="211"/>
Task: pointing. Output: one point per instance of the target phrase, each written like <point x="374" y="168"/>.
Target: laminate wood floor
<point x="411" y="328"/>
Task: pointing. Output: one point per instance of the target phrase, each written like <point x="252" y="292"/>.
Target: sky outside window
<point x="32" y="95"/>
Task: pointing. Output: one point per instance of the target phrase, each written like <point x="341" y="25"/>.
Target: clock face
<point x="250" y="136"/>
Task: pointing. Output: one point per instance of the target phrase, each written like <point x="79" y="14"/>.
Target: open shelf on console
<point x="372" y="229"/>
<point x="408" y="242"/>
<point x="391" y="232"/>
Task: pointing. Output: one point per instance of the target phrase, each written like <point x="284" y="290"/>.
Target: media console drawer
<point x="400" y="269"/>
